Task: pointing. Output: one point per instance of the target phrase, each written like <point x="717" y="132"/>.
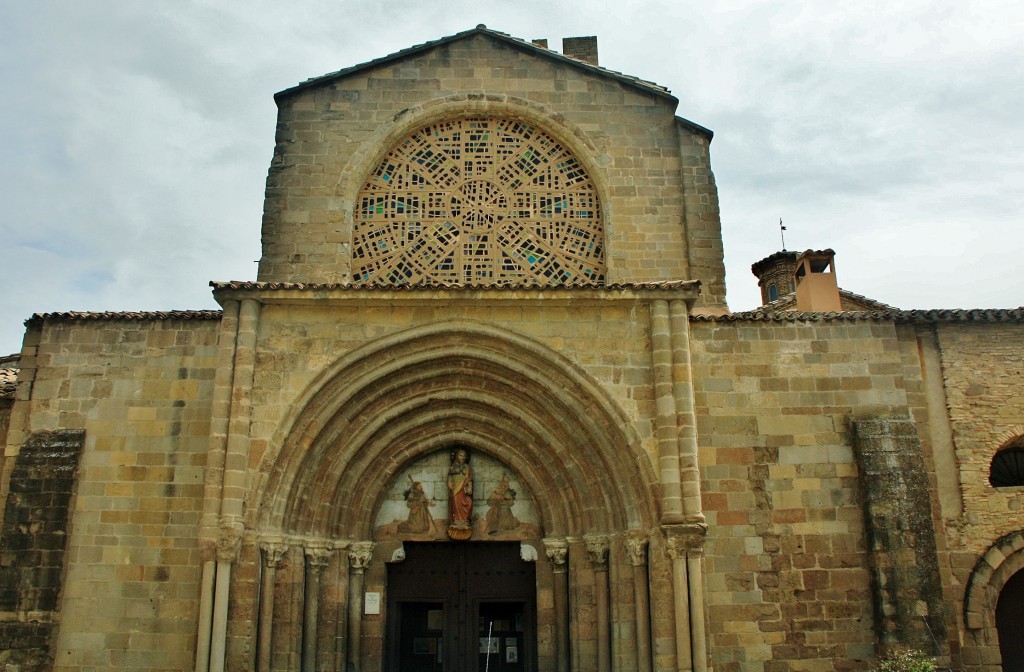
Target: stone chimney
<point x="775" y="275"/>
<point x="816" y="286"/>
<point x="581" y="48"/>
<point x="541" y="42"/>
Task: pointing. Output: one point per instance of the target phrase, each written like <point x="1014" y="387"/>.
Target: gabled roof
<point x="848" y="300"/>
<point x="503" y="38"/>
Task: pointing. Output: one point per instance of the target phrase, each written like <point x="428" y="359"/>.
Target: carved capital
<point x="636" y="550"/>
<point x="359" y="555"/>
<point x="557" y="551"/>
<point x="229" y="540"/>
<point x="685" y="540"/>
<point x="597" y="550"/>
<point x="273" y="553"/>
<point x="208" y="549"/>
<point x="317" y="557"/>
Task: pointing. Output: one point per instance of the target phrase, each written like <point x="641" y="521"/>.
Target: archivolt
<point x="1002" y="560"/>
<point x="429" y="387"/>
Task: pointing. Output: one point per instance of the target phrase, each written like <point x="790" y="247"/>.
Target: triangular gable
<point x="482" y="30"/>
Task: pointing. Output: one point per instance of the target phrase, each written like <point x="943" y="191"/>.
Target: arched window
<point x="479" y="200"/>
<point x="1007" y="468"/>
<point x="773" y="292"/>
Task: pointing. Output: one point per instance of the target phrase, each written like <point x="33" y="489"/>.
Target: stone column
<point x="636" y="551"/>
<point x="236" y="461"/>
<point x="214" y="476"/>
<point x="228" y="545"/>
<point x="681" y="601"/>
<point x="685" y="420"/>
<point x="359" y="555"/>
<point x="557" y="551"/>
<point x="273" y="557"/>
<point x="665" y="426"/>
<point x="698" y="632"/>
<point x="685" y="547"/>
<point x="597" y="550"/>
<point x="208" y="553"/>
<point x="334" y="592"/>
<point x="317" y="558"/>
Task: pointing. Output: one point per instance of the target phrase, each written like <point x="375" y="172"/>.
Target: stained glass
<point x="478" y="201"/>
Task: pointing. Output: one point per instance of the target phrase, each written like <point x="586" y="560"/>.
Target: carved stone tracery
<point x="480" y="200"/>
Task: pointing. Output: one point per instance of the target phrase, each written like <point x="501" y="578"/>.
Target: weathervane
<point x="782" y="232"/>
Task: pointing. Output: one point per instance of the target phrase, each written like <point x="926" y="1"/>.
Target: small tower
<point x="816" y="286"/>
<point x="775" y="275"/>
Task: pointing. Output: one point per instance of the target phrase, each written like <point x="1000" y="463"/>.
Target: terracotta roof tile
<point x="984" y="315"/>
<point x="136" y="316"/>
<point x="437" y="286"/>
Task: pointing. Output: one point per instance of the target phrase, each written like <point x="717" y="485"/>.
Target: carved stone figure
<point x="419" y="519"/>
<point x="460" y="496"/>
<point x="500" y="517"/>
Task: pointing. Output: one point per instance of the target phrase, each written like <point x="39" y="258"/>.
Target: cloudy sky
<point x="137" y="135"/>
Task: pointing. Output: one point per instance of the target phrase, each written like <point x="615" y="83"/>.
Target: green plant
<point x="905" y="660"/>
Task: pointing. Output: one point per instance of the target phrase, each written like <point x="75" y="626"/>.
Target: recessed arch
<point x="418" y="391"/>
<point x="1002" y="560"/>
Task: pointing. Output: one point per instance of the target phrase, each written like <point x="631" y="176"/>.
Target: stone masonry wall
<point x="609" y="341"/>
<point x="898" y="511"/>
<point x="329" y="138"/>
<point x="140" y="390"/>
<point x="32" y="539"/>
<point x="789" y="582"/>
<point x="982" y="367"/>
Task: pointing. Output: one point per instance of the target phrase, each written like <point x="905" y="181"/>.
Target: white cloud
<point x="138" y="135"/>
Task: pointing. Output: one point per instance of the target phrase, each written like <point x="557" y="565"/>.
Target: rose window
<point x="478" y="201"/>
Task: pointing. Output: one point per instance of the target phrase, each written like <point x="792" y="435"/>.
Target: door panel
<point x="421" y="636"/>
<point x="445" y="598"/>
<point x="503" y="646"/>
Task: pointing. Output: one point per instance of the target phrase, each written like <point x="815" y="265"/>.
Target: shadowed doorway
<point x="1009" y="620"/>
<point x="461" y="607"/>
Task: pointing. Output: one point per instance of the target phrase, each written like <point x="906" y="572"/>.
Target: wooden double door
<point x="461" y="607"/>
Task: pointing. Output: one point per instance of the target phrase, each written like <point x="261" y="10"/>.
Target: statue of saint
<point x="419" y="519"/>
<point x="460" y="496"/>
<point x="500" y="517"/>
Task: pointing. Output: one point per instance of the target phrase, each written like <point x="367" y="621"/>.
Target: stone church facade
<point x="495" y="269"/>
